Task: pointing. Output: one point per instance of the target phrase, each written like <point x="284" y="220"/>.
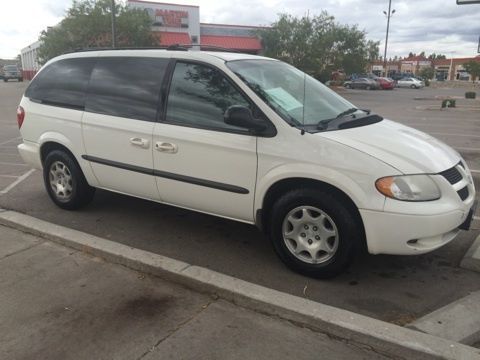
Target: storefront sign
<point x="168" y="18"/>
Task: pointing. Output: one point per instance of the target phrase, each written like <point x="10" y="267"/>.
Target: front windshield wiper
<point x="347" y="112"/>
<point x="324" y="124"/>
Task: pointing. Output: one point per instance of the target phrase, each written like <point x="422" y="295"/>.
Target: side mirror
<point x="241" y="116"/>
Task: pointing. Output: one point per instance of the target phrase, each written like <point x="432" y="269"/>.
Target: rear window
<point x="126" y="87"/>
<point x="10" y="67"/>
<point x="62" y="83"/>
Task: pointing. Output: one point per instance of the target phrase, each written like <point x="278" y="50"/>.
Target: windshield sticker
<point x="283" y="98"/>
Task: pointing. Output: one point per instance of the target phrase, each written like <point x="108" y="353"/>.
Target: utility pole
<point x="389" y="15"/>
<point x="114" y="30"/>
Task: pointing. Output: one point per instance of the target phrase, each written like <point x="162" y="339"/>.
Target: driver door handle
<point x="136" y="141"/>
<point x="166" y="147"/>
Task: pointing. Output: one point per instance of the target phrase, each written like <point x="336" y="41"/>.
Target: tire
<point x="307" y="206"/>
<point x="5" y="80"/>
<point x="348" y="86"/>
<point x="413" y="86"/>
<point x="71" y="191"/>
<point x="20" y="79"/>
<point x="368" y="87"/>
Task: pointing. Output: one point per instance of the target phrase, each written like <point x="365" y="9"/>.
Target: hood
<point x="408" y="150"/>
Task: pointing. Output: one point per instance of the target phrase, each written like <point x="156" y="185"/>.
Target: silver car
<point x="410" y="83"/>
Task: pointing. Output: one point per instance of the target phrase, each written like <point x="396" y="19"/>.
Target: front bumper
<point x="400" y="234"/>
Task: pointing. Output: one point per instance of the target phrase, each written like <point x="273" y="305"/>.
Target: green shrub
<point x="470" y="95"/>
<point x="448" y="103"/>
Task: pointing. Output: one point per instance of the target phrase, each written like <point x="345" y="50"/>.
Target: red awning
<point x="232" y="42"/>
<point x="168" y="38"/>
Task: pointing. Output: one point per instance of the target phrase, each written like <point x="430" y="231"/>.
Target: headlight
<point x="408" y="187"/>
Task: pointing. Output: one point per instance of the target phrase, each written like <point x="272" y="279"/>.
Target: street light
<point x="388" y="15"/>
<point x="114" y="31"/>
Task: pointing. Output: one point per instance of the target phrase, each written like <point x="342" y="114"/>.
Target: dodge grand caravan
<point x="246" y="138"/>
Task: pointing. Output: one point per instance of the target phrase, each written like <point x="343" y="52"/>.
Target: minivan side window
<point x="62" y="83"/>
<point x="199" y="96"/>
<point x="127" y="87"/>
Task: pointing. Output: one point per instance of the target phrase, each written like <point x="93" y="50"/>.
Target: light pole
<point x="451" y="76"/>
<point x="389" y="15"/>
<point x="114" y="30"/>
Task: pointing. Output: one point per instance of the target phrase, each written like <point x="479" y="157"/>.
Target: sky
<point x="439" y="26"/>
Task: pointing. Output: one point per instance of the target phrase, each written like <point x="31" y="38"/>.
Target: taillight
<point x="20" y="116"/>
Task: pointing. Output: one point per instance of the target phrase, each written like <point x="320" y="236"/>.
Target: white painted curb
<point x="471" y="260"/>
<point x="388" y="339"/>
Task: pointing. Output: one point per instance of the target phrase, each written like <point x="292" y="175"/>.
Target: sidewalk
<point x="59" y="303"/>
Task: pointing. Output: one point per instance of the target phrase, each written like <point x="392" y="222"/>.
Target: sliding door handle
<point x="166" y="147"/>
<point x="136" y="141"/>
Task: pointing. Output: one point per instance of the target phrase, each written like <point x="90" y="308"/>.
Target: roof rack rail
<point x="173" y="47"/>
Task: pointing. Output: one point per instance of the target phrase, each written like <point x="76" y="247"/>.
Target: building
<point x="445" y="69"/>
<point x="29" y="60"/>
<point x="452" y="69"/>
<point x="176" y="24"/>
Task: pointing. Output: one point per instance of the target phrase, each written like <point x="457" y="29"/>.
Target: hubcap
<point x="310" y="234"/>
<point x="61" y="180"/>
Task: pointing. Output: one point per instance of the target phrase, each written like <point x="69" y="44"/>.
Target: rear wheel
<point x="368" y="87"/>
<point x="314" y="233"/>
<point x="413" y="86"/>
<point x="64" y="181"/>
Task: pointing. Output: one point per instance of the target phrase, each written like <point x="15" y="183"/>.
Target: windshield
<point x="297" y="97"/>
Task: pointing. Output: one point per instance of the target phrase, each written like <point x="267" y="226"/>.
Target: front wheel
<point x="314" y="233"/>
<point x="64" y="181"/>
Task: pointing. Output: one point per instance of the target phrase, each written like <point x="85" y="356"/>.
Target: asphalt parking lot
<point x="395" y="289"/>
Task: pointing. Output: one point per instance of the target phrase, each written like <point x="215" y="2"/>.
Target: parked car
<point x="247" y="138"/>
<point x="410" y="83"/>
<point x="398" y="75"/>
<point x="361" y="83"/>
<point x="12" y="72"/>
<point x="386" y="83"/>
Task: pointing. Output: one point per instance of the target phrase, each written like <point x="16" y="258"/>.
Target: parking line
<point x="6" y="142"/>
<point x="475" y="171"/>
<point x="13" y="164"/>
<point x="447" y="134"/>
<point x="9" y="176"/>
<point x="476" y="218"/>
<point x="16" y="182"/>
<point x="467" y="149"/>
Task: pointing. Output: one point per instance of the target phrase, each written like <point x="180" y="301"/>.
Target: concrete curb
<point x="471" y="260"/>
<point x="379" y="336"/>
<point x="458" y="321"/>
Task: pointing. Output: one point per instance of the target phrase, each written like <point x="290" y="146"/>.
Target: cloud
<point x="420" y="25"/>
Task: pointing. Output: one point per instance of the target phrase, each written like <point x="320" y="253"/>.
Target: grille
<point x="463" y="193"/>
<point x="452" y="175"/>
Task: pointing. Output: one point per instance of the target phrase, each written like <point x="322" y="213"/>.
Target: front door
<point x="200" y="162"/>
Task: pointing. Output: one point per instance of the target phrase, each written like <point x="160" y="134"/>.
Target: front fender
<point x="359" y="187"/>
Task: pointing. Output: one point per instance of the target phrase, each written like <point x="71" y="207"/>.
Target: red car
<point x="386" y="83"/>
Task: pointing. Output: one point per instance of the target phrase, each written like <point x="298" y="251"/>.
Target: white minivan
<point x="246" y="138"/>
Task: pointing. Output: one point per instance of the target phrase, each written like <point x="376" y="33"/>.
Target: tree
<point x="318" y="45"/>
<point x="427" y="73"/>
<point x="434" y="56"/>
<point x="473" y="68"/>
<point x="88" y="25"/>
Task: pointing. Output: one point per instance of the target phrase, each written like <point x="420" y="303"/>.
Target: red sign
<point x="172" y="18"/>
